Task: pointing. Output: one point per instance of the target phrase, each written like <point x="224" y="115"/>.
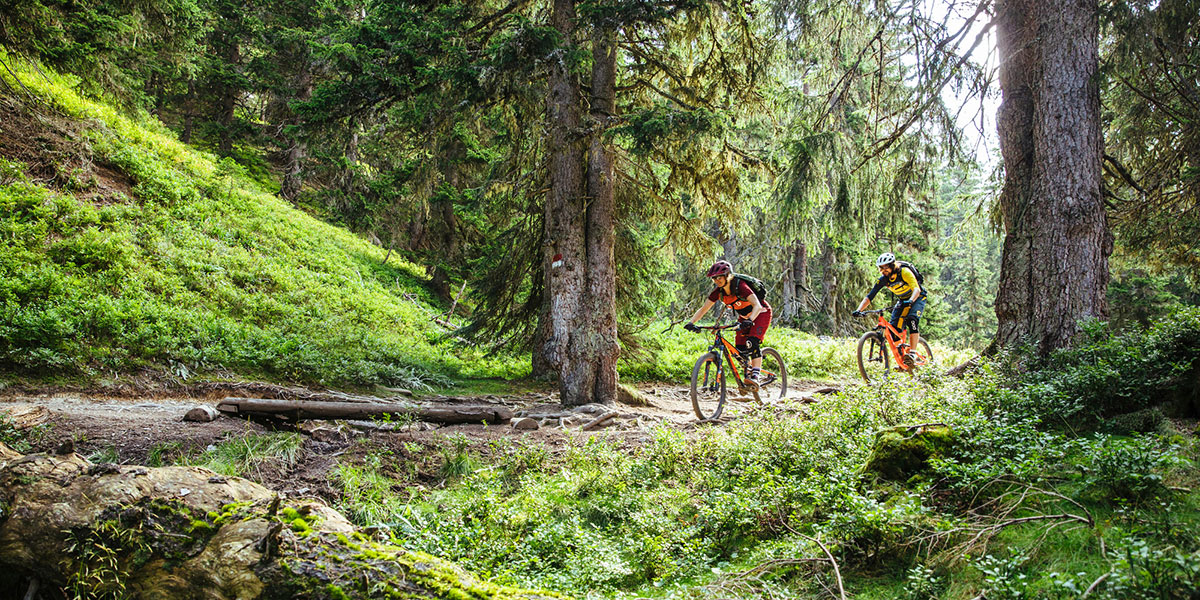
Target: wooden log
<point x="313" y="409"/>
<point x="201" y="414"/>
<point x="24" y="416"/>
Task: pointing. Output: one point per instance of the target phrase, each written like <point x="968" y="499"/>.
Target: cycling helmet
<point x="886" y="258"/>
<point x="721" y="267"/>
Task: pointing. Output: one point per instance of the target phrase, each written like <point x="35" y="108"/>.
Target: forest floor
<point x="148" y="428"/>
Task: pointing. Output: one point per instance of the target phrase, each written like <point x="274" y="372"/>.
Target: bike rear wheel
<point x="874" y="364"/>
<point x="708" y="387"/>
<point x="774" y="376"/>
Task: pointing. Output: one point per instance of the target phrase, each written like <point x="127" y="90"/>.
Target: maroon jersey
<point x="740" y="300"/>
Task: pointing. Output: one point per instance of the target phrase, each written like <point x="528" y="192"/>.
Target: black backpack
<point x="920" y="278"/>
<point x="756" y="285"/>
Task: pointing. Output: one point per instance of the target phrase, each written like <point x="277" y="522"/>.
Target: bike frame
<point x="730" y="351"/>
<point x="892" y="336"/>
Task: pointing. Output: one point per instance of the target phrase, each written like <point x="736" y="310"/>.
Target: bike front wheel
<point x="774" y="376"/>
<point x="927" y="353"/>
<point x="873" y="360"/>
<point x="708" y="387"/>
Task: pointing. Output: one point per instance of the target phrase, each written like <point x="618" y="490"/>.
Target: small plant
<point x="1128" y="469"/>
<point x="21" y="440"/>
<point x="1004" y="578"/>
<point x="245" y="456"/>
<point x="456" y="459"/>
<point x="922" y="584"/>
<point x="105" y="455"/>
<point x="163" y="454"/>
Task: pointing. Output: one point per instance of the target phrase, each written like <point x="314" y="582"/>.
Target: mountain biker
<point x="754" y="314"/>
<point x="900" y="278"/>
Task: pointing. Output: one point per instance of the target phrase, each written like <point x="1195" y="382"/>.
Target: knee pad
<point x="912" y="324"/>
<point x="754" y="347"/>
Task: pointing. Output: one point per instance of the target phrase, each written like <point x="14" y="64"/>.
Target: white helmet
<point x="886" y="258"/>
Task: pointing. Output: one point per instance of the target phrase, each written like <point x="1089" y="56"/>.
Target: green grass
<point x="245" y="456"/>
<point x="202" y="270"/>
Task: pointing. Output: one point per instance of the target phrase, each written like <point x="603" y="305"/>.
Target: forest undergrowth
<point x="1040" y="487"/>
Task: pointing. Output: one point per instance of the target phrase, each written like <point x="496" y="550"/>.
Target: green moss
<point x="904" y="451"/>
<point x="201" y="527"/>
<point x="300" y="526"/>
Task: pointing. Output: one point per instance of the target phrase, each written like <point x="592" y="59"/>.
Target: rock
<point x="904" y="451"/>
<point x="201" y="414"/>
<point x="179" y="532"/>
<point x="526" y="423"/>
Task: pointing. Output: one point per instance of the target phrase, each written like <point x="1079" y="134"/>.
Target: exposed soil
<point x="150" y="428"/>
<point x="57" y="154"/>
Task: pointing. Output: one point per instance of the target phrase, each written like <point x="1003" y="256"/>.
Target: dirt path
<point x="149" y="429"/>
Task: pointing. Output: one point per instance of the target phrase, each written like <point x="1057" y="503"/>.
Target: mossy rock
<point x="904" y="451"/>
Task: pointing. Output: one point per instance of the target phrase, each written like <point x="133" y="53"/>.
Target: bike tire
<point x="708" y="387"/>
<point x="773" y="363"/>
<point x="928" y="353"/>
<point x="874" y="364"/>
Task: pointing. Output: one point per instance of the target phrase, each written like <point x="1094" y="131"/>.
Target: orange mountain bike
<point x="880" y="346"/>
<point x="711" y="373"/>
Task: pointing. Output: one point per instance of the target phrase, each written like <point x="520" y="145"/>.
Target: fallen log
<point x="24" y="416"/>
<point x="313" y="409"/>
<point x="70" y="526"/>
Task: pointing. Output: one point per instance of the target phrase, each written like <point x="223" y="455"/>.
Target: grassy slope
<point x="200" y="268"/>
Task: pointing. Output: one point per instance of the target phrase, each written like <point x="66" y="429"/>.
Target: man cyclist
<point x="900" y="278"/>
<point x="754" y="314"/>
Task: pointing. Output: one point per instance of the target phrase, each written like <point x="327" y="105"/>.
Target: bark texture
<point x="186" y="533"/>
<point x="564" y="283"/>
<point x="1055" y="265"/>
<point x="578" y="331"/>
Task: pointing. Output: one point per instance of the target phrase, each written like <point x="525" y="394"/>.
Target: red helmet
<point x="721" y="267"/>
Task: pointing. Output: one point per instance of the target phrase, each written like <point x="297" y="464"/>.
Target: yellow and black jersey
<point x="901" y="282"/>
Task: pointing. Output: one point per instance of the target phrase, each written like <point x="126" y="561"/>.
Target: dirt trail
<point x="140" y="429"/>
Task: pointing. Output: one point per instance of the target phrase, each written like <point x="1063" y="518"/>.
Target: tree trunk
<point x="189" y="112"/>
<point x="800" y="275"/>
<point x="563" y="254"/>
<point x="590" y="366"/>
<point x="829" y="283"/>
<point x="297" y="149"/>
<point x="228" y="100"/>
<point x="1054" y="270"/>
